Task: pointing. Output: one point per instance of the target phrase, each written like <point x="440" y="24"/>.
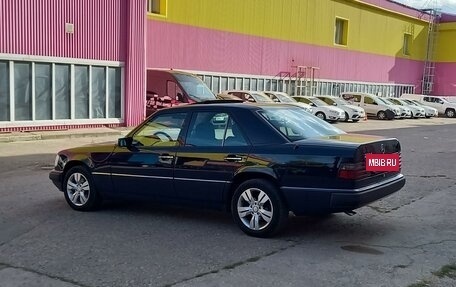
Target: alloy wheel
<point x="255" y="209"/>
<point x="78" y="189"/>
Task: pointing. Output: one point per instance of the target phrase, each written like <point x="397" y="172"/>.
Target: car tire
<point x="79" y="189"/>
<point x="321" y="115"/>
<point x="258" y="208"/>
<point x="412" y="116"/>
<point x="355" y="120"/>
<point x="450" y="113"/>
<point x="347" y="117"/>
<point x="381" y="115"/>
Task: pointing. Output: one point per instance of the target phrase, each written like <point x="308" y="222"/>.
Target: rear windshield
<point x="195" y="88"/>
<point x="297" y="124"/>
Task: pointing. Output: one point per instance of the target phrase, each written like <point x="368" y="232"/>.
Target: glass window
<point x="43" y="92"/>
<point x="156" y="7"/>
<point x="246" y="84"/>
<point x="4" y="92"/>
<point x="341" y="29"/>
<point x="98" y="92"/>
<point x="253" y="85"/>
<point x="297" y="124"/>
<point x="231" y="83"/>
<point x="207" y="129"/>
<point x="223" y="84"/>
<point x="195" y="88"/>
<point x="23" y="91"/>
<point x="368" y="100"/>
<point x="233" y="135"/>
<point x="238" y="83"/>
<point x="406" y="44"/>
<point x="81" y="92"/>
<point x="260" y="84"/>
<point x="114" y="93"/>
<point x="162" y="130"/>
<point x="62" y="92"/>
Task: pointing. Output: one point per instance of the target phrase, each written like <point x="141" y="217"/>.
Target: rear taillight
<point x="352" y="171"/>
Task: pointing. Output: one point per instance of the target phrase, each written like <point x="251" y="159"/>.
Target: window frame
<point x="344" y="37"/>
<point x="162" y="8"/>
<point x="406" y="44"/>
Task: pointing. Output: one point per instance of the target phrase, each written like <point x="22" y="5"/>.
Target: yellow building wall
<point x="446" y="43"/>
<point x="370" y="29"/>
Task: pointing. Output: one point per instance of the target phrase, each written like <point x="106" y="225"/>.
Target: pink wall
<point x="445" y="79"/>
<point x="38" y="28"/>
<point x="185" y="47"/>
<point x="135" y="64"/>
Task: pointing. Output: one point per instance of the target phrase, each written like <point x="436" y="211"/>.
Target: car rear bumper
<point x="314" y="201"/>
<point x="56" y="177"/>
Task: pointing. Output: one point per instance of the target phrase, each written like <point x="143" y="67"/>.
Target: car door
<point x="145" y="168"/>
<point x="370" y="106"/>
<point x="215" y="147"/>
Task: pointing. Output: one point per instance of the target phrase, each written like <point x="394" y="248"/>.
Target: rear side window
<point x="368" y="100"/>
<point x="211" y="129"/>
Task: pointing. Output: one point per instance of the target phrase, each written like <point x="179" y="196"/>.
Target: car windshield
<point x="318" y="102"/>
<point x="297" y="124"/>
<point x="260" y="98"/>
<point x="195" y="88"/>
<point x="409" y="102"/>
<point x="384" y="101"/>
<point x="395" y="101"/>
<point x="340" y="101"/>
<point x="285" y="99"/>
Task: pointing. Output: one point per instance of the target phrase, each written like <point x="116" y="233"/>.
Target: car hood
<point x="103" y="147"/>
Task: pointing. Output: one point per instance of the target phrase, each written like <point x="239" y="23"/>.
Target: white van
<point x="373" y="105"/>
<point x="442" y="105"/>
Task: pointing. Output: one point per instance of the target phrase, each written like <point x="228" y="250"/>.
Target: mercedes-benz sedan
<point x="257" y="161"/>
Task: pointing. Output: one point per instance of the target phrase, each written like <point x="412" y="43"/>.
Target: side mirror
<point x="334" y="104"/>
<point x="276" y="100"/>
<point x="125" y="142"/>
<point x="179" y="97"/>
<point x="251" y="100"/>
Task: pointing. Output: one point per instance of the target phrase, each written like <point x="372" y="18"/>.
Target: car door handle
<point x="165" y="157"/>
<point x="232" y="157"/>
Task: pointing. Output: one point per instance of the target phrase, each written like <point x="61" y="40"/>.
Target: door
<point x="214" y="149"/>
<point x="145" y="169"/>
<point x="435" y="103"/>
<point x="370" y="106"/>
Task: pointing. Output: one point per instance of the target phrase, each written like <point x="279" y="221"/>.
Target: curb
<point x="50" y="136"/>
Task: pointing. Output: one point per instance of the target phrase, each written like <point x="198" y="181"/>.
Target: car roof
<point x="213" y="105"/>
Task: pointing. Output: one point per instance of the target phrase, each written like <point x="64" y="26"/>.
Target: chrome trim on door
<point x="200" y="179"/>
<point x="141" y="176"/>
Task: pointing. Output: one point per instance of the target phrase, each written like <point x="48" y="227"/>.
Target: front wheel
<point x="347" y="117"/>
<point x="321" y="115"/>
<point x="258" y="208"/>
<point x="381" y="115"/>
<point x="79" y="189"/>
<point x="450" y="113"/>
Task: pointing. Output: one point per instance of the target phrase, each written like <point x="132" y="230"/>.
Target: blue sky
<point x="446" y="6"/>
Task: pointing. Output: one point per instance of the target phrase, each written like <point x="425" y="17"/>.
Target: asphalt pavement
<point x="397" y="241"/>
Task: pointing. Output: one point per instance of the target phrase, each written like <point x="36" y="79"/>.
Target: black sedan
<point x="258" y="161"/>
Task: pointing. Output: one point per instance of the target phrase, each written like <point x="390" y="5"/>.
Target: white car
<point x="429" y="111"/>
<point x="322" y="109"/>
<point x="417" y="112"/>
<point x="405" y="112"/>
<point x="281" y="97"/>
<point x="248" y="96"/>
<point x="441" y="104"/>
<point x="373" y="105"/>
<point x="352" y="112"/>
